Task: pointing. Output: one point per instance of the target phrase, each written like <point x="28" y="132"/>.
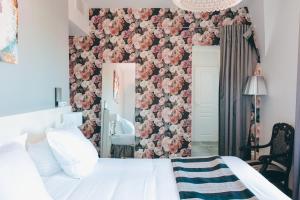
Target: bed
<point x="136" y="179"/>
<point x="122" y="179"/>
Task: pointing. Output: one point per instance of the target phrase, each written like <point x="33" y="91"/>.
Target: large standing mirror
<point x="118" y="110"/>
<point x="205" y="103"/>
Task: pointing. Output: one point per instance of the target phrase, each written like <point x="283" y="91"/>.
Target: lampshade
<point x="256" y="85"/>
<point x="205" y="5"/>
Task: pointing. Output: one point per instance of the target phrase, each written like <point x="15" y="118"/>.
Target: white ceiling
<point x="130" y="3"/>
<point x="136" y="3"/>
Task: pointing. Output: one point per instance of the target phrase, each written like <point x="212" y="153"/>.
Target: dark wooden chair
<point x="276" y="166"/>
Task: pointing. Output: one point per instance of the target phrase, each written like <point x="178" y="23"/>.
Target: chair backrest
<point x="282" y="142"/>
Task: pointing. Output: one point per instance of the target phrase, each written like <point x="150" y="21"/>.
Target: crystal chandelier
<point x="205" y="5"/>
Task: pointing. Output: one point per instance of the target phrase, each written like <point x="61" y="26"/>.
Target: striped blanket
<point x="208" y="178"/>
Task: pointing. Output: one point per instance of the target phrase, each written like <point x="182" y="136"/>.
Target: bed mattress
<point x="136" y="179"/>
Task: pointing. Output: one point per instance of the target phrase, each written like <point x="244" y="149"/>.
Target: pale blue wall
<point x="43" y="58"/>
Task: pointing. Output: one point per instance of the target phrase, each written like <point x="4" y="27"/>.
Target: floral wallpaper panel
<point x="160" y="42"/>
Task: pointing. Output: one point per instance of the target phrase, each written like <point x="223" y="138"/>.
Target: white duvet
<point x="135" y="179"/>
<point x="118" y="179"/>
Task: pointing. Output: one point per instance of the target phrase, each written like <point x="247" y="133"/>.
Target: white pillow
<point x="19" y="177"/>
<point x="76" y="155"/>
<point x="43" y="158"/>
<point x="20" y="139"/>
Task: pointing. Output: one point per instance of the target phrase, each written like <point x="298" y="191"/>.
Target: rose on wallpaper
<point x="160" y="42"/>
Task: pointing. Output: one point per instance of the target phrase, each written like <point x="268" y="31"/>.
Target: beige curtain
<point x="238" y="59"/>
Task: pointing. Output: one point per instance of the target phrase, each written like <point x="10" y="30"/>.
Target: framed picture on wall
<point x="116" y="86"/>
<point x="9" y="31"/>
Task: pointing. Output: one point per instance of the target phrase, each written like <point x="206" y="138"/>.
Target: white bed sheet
<point x="118" y="179"/>
<point x="135" y="179"/>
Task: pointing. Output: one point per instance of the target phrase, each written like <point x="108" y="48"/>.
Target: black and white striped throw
<point x="208" y="178"/>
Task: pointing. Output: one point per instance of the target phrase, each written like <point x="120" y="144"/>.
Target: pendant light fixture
<point x="205" y="5"/>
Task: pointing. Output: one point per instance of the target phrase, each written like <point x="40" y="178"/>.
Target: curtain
<point x="296" y="176"/>
<point x="238" y="60"/>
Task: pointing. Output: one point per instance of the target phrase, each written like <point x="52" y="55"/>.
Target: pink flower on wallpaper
<point x="74" y="87"/>
<point x="96" y="79"/>
<point x="155" y="108"/>
<point x="145" y="71"/>
<point x="87" y="100"/>
<point x="88" y="128"/>
<point x="156" y="78"/>
<point x="176" y="26"/>
<point x="158" y="92"/>
<point x="166" y="56"/>
<point x="129" y="18"/>
<point x="142" y="42"/>
<point x="95" y="19"/>
<point x="203" y="39"/>
<point x="126" y="34"/>
<point x="166" y="142"/>
<point x="203" y="15"/>
<point x="158" y="151"/>
<point x="129" y="48"/>
<point x="186" y="64"/>
<point x="78" y="99"/>
<point x="113" y="27"/>
<point x="176" y="55"/>
<point x="165" y="114"/>
<point x="96" y="108"/>
<point x="175" y="116"/>
<point x="175" y="145"/>
<point x="113" y="56"/>
<point x="145" y="129"/>
<point x="155" y="49"/>
<point x="145" y="100"/>
<point x="148" y="153"/>
<point x="143" y="13"/>
<point x="117" y="55"/>
<point x="189" y="17"/>
<point x="186" y="152"/>
<point x="166" y="25"/>
<point x="84" y="44"/>
<point x="173" y="86"/>
<point x="159" y="33"/>
<point x="120" y="13"/>
<point x="216" y="19"/>
<point x="186" y="34"/>
<point x="155" y="19"/>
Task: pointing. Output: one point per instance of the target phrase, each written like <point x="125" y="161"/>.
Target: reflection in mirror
<point x="205" y="104"/>
<point x="118" y="110"/>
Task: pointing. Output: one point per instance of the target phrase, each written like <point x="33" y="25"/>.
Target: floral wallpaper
<point x="160" y="42"/>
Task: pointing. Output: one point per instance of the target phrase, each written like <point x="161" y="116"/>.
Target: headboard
<point x="33" y="123"/>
